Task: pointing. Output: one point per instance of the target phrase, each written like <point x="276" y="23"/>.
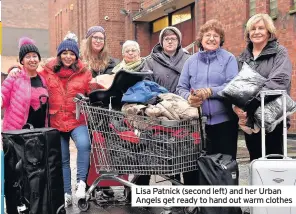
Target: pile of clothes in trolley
<point x="157" y="132"/>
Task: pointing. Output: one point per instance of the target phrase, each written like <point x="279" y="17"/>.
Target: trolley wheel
<point x="190" y="210"/>
<point x="61" y="210"/>
<point x="83" y="205"/>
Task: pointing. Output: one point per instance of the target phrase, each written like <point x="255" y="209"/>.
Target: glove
<point x="194" y="100"/>
<point x="204" y="93"/>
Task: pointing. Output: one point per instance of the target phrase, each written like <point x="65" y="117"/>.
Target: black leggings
<point x="273" y="142"/>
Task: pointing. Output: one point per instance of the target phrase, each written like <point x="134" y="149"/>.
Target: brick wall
<point x="148" y="3"/>
<point x="232" y="13"/>
<point x="226" y="12"/>
<point x="83" y="14"/>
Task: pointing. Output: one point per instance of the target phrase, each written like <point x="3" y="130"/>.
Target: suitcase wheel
<point x="83" y="205"/>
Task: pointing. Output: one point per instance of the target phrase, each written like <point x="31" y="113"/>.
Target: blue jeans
<point x="80" y="136"/>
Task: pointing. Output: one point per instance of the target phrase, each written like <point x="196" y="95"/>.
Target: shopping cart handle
<point x="80" y="96"/>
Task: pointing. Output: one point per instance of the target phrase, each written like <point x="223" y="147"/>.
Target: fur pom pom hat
<point x="27" y="45"/>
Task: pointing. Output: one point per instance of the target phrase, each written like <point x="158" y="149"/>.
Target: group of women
<point x="45" y="98"/>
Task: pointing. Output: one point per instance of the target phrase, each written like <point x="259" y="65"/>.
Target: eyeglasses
<point x="170" y="39"/>
<point x="98" y="39"/>
<point x="215" y="36"/>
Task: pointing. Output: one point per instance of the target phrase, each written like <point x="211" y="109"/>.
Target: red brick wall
<point x="232" y="13"/>
<point x="144" y="38"/>
<point x="227" y="12"/>
<point x="148" y="3"/>
<point x="84" y="15"/>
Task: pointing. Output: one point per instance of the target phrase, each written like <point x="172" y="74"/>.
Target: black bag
<point x="243" y="87"/>
<point x="218" y="169"/>
<point x="37" y="166"/>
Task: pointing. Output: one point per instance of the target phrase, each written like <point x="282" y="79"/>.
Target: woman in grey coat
<point x="270" y="59"/>
<point x="167" y="59"/>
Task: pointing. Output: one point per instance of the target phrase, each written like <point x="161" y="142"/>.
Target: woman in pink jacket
<point x="25" y="97"/>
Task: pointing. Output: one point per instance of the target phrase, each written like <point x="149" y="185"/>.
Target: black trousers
<point x="273" y="142"/>
<point x="222" y="138"/>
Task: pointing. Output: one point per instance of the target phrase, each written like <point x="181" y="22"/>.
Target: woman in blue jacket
<point x="205" y="74"/>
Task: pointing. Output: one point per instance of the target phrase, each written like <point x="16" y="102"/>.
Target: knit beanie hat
<point x="71" y="35"/>
<point x="175" y="30"/>
<point x="69" y="45"/>
<point x="27" y="45"/>
<point x="95" y="29"/>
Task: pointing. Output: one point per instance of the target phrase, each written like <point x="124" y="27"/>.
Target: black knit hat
<point x="27" y="45"/>
<point x="69" y="45"/>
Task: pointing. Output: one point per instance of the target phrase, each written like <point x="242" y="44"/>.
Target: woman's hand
<point x="242" y="115"/>
<point x="194" y="100"/>
<point x="14" y="72"/>
<point x="203" y="93"/>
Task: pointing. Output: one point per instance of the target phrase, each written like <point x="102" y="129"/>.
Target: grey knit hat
<point x="175" y="30"/>
<point x="95" y="29"/>
<point x="69" y="45"/>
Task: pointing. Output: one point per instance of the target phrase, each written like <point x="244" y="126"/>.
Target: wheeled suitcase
<point x="35" y="166"/>
<point x="278" y="171"/>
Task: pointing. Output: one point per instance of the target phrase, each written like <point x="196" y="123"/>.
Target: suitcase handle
<point x="276" y="156"/>
<point x="284" y="101"/>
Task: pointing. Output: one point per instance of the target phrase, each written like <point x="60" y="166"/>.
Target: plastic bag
<point x="242" y="88"/>
<point x="273" y="112"/>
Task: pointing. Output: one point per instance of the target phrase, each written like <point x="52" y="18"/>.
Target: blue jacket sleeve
<point x="231" y="71"/>
<point x="183" y="87"/>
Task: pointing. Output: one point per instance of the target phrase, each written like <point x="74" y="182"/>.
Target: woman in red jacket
<point x="67" y="76"/>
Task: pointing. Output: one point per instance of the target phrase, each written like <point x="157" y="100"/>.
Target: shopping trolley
<point x="139" y="145"/>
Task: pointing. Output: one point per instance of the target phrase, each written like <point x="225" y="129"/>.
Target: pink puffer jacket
<point x="16" y="97"/>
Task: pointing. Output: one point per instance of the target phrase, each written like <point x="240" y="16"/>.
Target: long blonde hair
<point x="97" y="63"/>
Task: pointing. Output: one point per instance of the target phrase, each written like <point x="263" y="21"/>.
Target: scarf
<point x="64" y="75"/>
<point x="131" y="66"/>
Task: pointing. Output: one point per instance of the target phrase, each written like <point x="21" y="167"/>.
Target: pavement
<point x="243" y="161"/>
<point x="242" y="158"/>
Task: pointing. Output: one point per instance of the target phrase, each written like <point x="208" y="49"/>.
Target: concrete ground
<point x="243" y="160"/>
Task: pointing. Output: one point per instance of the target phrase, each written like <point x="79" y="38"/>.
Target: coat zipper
<point x="28" y="103"/>
<point x="210" y="115"/>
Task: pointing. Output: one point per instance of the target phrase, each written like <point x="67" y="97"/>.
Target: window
<point x="181" y="15"/>
<point x="159" y="24"/>
<point x="273" y="8"/>
<point x="252" y="8"/>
